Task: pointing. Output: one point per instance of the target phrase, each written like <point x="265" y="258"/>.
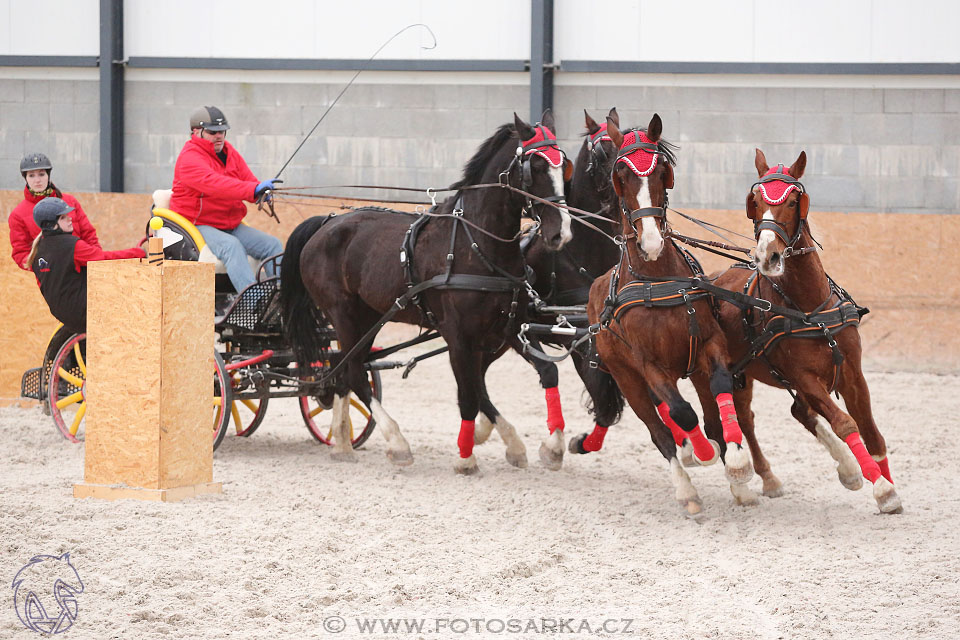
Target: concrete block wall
<point x="58" y="117"/>
<point x="871" y="150"/>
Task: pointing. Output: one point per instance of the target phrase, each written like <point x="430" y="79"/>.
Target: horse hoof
<point x="772" y="487"/>
<point x="343" y="456"/>
<point x="886" y="496"/>
<point x="686" y="454"/>
<point x="576" y="444"/>
<point x="713" y="460"/>
<point x="518" y="460"/>
<point x="694" y="510"/>
<point x="853" y="482"/>
<point x="738" y="468"/>
<point x="552" y="460"/>
<point x="400" y="458"/>
<point x="466" y="466"/>
<point x="482" y="430"/>
<point x="743" y="495"/>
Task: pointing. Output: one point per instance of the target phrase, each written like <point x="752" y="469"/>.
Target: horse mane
<point x="667" y="149"/>
<point x="475" y="167"/>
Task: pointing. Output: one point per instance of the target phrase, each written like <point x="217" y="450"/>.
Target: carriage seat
<point x="161" y="208"/>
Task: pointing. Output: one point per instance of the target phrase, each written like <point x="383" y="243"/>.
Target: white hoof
<point x="466" y="466"/>
<point x="853" y="481"/>
<point x="343" y="456"/>
<point x="401" y="458"/>
<point x="739" y="468"/>
<point x="551" y="451"/>
<point x="886" y="496"/>
<point x="743" y="495"/>
<point x="482" y="429"/>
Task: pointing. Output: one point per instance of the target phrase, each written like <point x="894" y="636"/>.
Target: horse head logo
<point x="45" y="594"/>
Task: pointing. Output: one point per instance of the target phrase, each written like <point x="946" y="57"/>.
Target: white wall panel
<point x="494" y="29"/>
<point x="50" y="27"/>
<point x="598" y="30"/>
<point x="917" y="31"/>
<point x="812" y="31"/>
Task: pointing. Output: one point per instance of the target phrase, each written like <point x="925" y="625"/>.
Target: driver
<point x="210" y="183"/>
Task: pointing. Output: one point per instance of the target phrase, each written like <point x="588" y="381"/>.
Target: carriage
<point x="252" y="363"/>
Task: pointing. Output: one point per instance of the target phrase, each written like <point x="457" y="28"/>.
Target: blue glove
<point x="264" y="186"/>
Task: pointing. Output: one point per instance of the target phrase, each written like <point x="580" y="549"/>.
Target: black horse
<point x="563" y="278"/>
<point x="462" y="262"/>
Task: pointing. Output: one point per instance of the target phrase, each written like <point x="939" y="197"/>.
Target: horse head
<point x="596" y="158"/>
<point x="642" y="173"/>
<point x="543" y="169"/>
<point x="777" y="204"/>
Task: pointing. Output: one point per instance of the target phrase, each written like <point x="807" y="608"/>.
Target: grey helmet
<point x="209" y="118"/>
<point x="34" y="161"/>
<point x="48" y="211"/>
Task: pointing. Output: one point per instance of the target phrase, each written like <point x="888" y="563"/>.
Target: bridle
<point x="543" y="139"/>
<point x="633" y="215"/>
<point x="780" y="174"/>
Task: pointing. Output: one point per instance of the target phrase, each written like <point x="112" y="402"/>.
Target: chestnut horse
<point x="466" y="262"/>
<point x="656" y="328"/>
<point x="789" y="274"/>
<point x="563" y="278"/>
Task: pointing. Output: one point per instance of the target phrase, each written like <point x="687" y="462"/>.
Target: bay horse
<point x="657" y="329"/>
<point x="463" y="262"/>
<point x="563" y="278"/>
<point x="767" y="346"/>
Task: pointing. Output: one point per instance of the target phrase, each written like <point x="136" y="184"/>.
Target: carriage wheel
<point x="222" y="397"/>
<point x="361" y="421"/>
<point x="247" y="414"/>
<point x="66" y="398"/>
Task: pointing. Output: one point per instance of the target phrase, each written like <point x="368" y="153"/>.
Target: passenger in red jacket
<point x="59" y="260"/>
<point x="35" y="169"/>
<point x="210" y="183"/>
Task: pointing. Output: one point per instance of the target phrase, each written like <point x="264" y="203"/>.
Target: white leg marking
<point x="743" y="495"/>
<point x="551" y="450"/>
<point x="847" y="468"/>
<point x="482" y="429"/>
<point x="342" y="446"/>
<point x="398" y="450"/>
<point x="686" y="492"/>
<point x="516" y="451"/>
<point x="738" y="465"/>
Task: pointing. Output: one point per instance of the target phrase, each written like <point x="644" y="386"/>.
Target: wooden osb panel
<point x="124" y="346"/>
<point x="27" y="324"/>
<point x="186" y="393"/>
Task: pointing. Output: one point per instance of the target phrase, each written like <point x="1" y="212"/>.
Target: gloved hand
<point x="265" y="186"/>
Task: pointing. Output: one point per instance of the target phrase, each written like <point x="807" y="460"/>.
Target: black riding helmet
<point x="48" y="211"/>
<point x="34" y="161"/>
<point x="209" y="118"/>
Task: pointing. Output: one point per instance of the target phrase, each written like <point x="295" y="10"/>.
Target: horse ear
<point x="567" y="169"/>
<point x="804" y="205"/>
<point x="796" y="169"/>
<point x="668" y="176"/>
<point x="524" y="130"/>
<point x="655" y="128"/>
<point x="592" y="126"/>
<point x="760" y="162"/>
<point x="613" y="115"/>
<point x="613" y="130"/>
<point x="547" y="120"/>
<point x="751" y="206"/>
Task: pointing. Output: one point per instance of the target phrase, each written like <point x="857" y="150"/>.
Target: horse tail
<point x="604" y="398"/>
<point x="301" y="319"/>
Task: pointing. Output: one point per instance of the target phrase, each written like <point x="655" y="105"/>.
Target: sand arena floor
<point x="298" y="544"/>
